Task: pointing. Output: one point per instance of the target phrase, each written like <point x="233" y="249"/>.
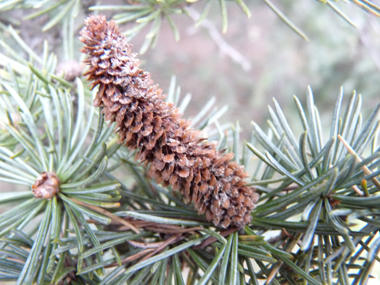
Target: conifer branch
<point x="316" y="192"/>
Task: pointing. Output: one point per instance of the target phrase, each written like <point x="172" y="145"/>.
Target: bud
<point x="46" y="185"/>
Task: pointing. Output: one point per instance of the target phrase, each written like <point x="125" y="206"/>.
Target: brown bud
<point x="70" y="70"/>
<point x="46" y="185"/>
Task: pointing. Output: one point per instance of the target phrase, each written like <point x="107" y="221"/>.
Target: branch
<point x="224" y="47"/>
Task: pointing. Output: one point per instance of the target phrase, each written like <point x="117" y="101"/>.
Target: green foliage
<point x="59" y="9"/>
<point x="319" y="178"/>
<point x="152" y="12"/>
<point x="316" y="223"/>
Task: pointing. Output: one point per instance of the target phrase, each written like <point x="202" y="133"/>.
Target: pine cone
<point x="175" y="153"/>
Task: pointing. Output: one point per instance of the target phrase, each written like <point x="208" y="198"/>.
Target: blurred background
<point x="257" y="59"/>
<point x="274" y="61"/>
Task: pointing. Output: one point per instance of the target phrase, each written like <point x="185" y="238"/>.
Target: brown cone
<point x="176" y="154"/>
